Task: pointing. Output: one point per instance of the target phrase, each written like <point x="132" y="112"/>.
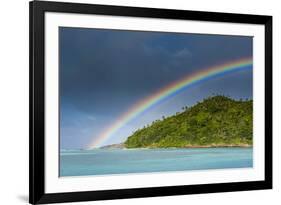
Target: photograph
<point x="133" y="102"/>
<point x="136" y="102"/>
<point x="140" y="102"/>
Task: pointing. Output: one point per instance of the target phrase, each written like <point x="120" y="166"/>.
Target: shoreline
<point x="195" y="146"/>
<point x="184" y="147"/>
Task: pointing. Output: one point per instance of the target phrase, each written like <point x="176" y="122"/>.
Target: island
<point x="217" y="121"/>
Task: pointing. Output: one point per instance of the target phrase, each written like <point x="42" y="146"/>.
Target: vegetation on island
<point x="217" y="121"/>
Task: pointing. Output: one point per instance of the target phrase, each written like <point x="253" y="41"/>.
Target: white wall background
<point x="14" y="100"/>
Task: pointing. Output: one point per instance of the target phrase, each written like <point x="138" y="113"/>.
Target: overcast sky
<point x="104" y="72"/>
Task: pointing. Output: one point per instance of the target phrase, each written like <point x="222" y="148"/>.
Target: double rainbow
<point x="169" y="91"/>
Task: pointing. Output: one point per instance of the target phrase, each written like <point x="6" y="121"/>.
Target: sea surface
<point x="123" y="161"/>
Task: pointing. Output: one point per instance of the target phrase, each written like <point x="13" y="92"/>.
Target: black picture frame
<point x="37" y="194"/>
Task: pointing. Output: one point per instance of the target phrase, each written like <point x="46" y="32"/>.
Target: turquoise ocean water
<point x="122" y="161"/>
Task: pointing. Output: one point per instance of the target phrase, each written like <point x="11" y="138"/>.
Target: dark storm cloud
<point x="101" y="65"/>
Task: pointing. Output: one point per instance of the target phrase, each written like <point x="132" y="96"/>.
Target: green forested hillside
<point x="216" y="121"/>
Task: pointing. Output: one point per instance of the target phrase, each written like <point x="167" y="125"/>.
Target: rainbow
<point x="169" y="91"/>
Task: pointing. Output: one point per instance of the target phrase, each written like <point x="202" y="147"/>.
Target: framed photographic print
<point x="140" y="102"/>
